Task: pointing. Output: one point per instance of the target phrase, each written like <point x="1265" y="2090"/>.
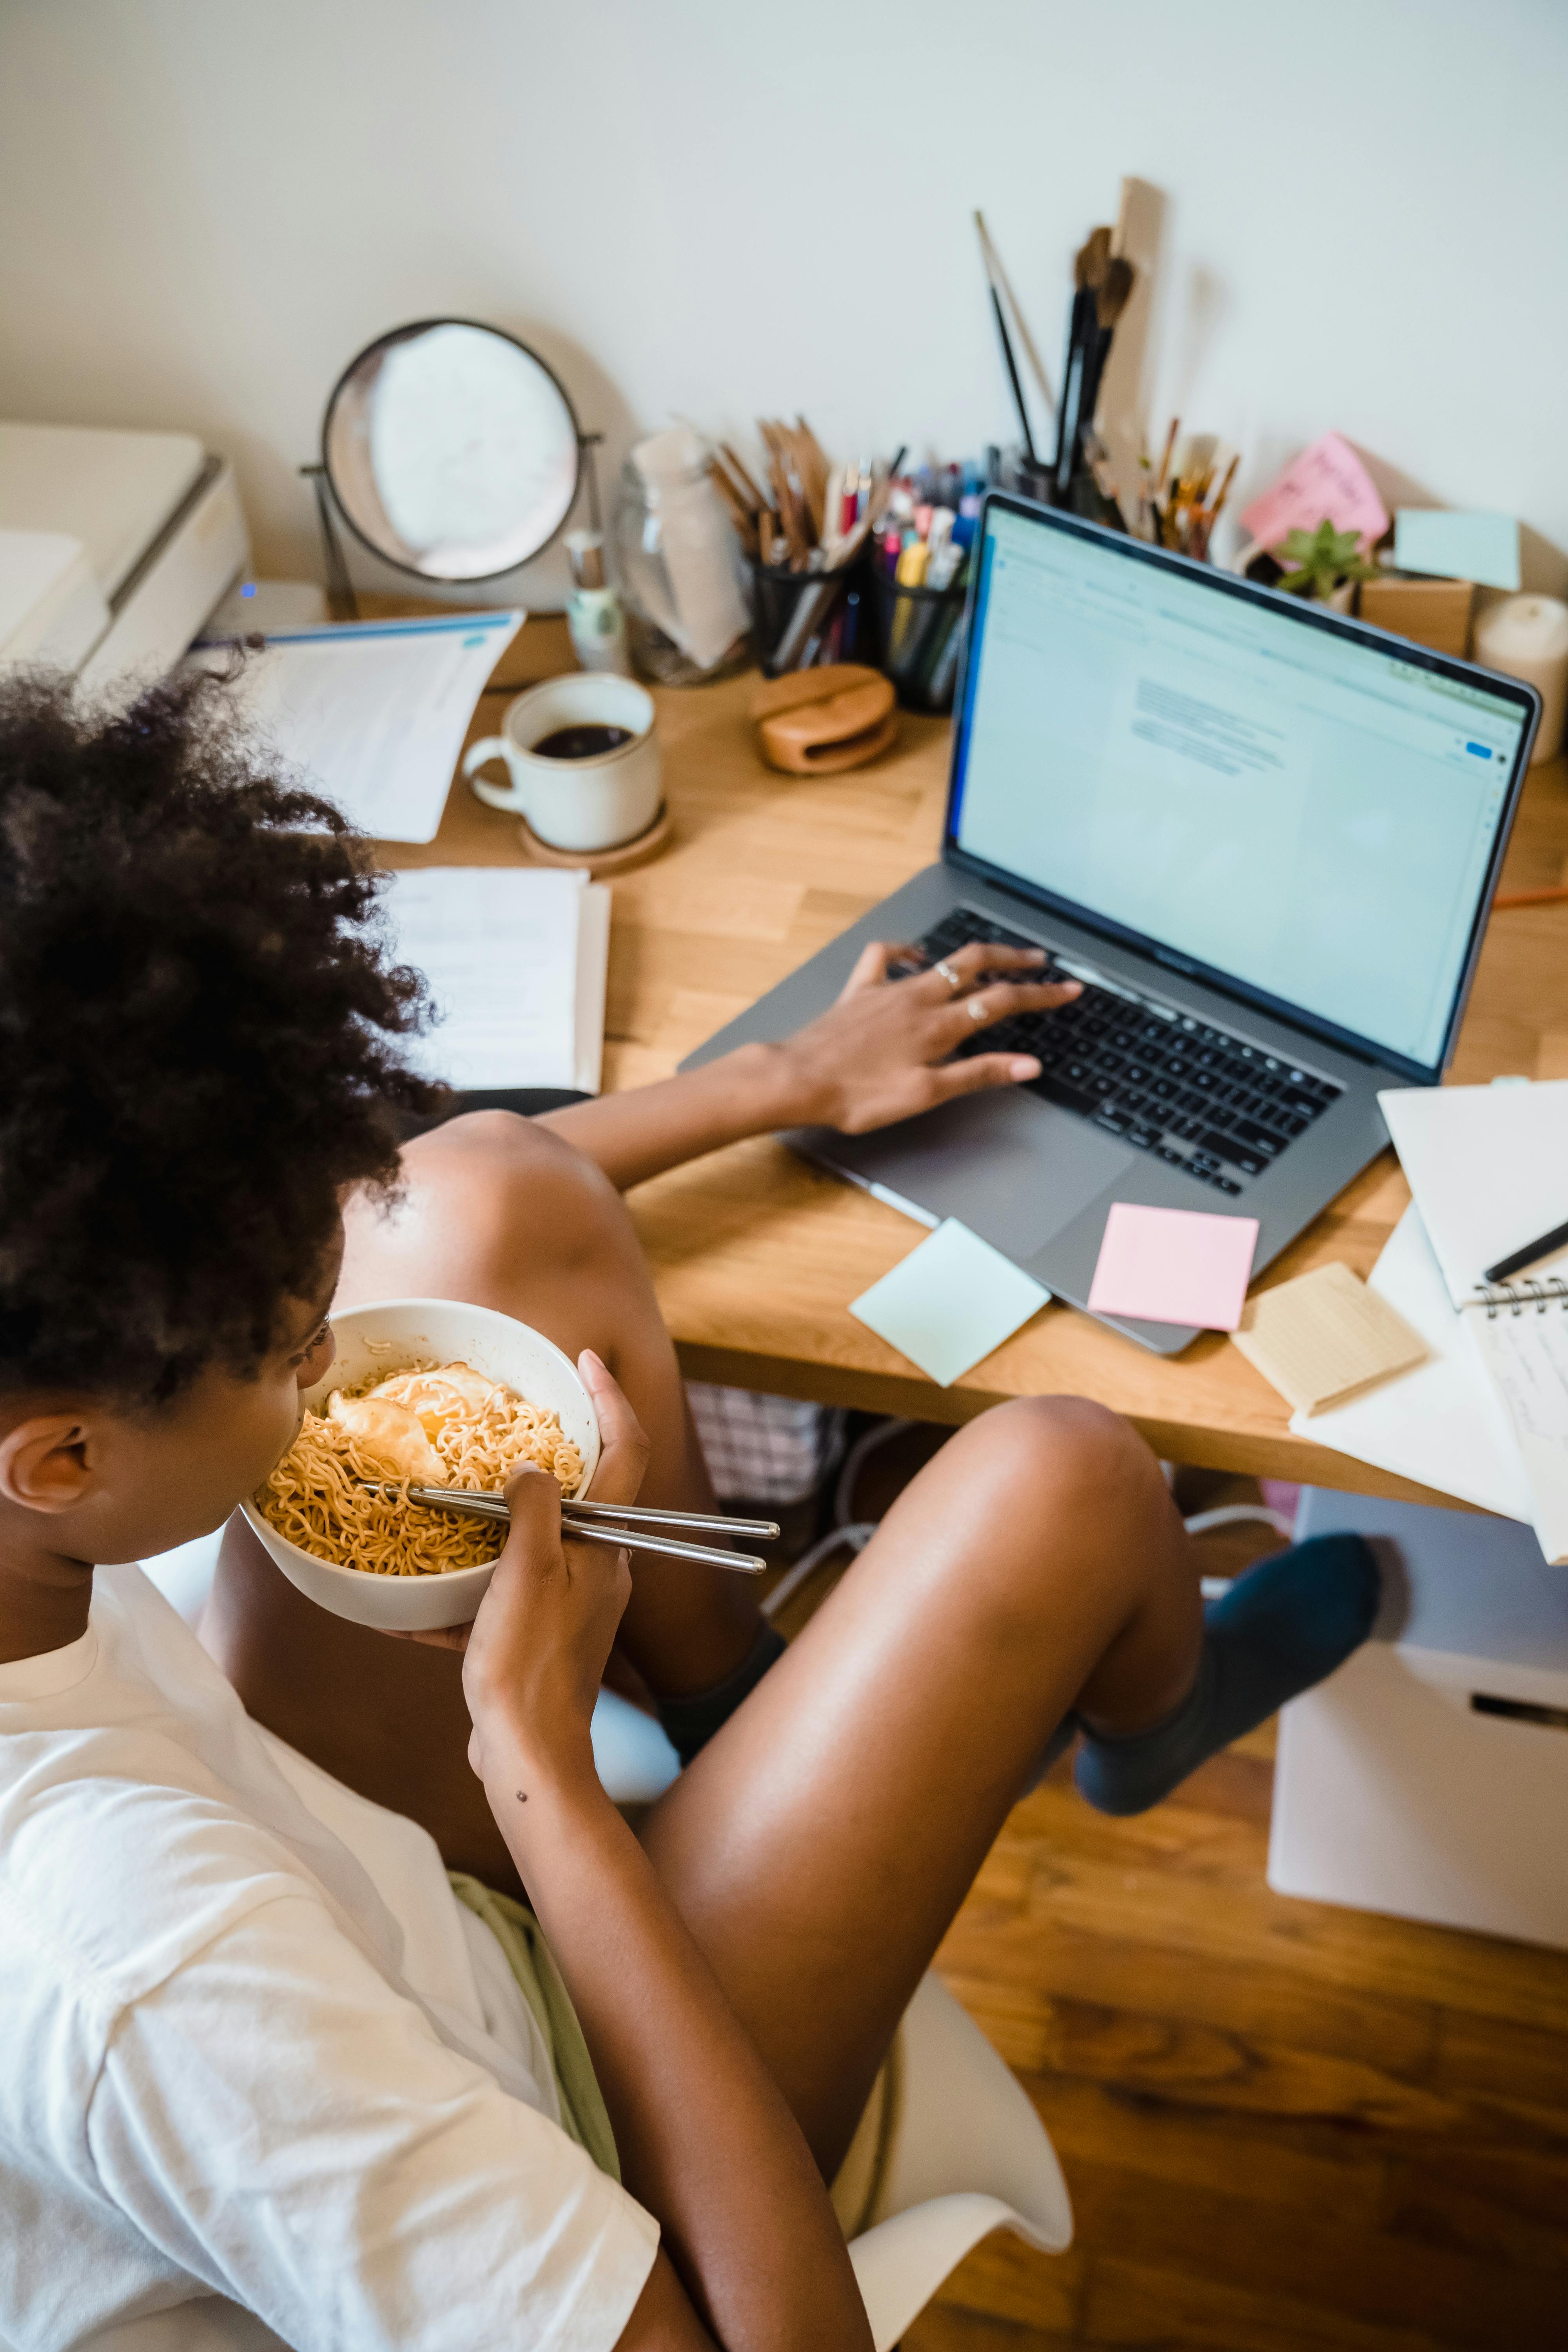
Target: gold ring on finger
<point x="978" y="1008"/>
<point x="953" y="978"/>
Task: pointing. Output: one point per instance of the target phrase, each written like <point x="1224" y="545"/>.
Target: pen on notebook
<point x="1527" y="1255"/>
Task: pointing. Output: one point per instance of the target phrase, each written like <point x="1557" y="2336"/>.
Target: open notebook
<point x="1489" y="1168"/>
<point x="516" y="959"/>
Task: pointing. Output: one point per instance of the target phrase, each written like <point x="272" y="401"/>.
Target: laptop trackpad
<point x="1008" y="1166"/>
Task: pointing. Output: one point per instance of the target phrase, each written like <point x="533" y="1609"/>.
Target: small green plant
<point x="1323" y="558"/>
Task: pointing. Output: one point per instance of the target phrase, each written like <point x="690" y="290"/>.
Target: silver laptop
<point x="1263" y="836"/>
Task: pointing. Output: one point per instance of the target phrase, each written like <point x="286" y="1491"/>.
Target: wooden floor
<point x="1283" y="2126"/>
<point x="1286" y="2127"/>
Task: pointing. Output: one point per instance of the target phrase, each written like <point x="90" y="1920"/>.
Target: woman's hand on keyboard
<point x="882" y="1052"/>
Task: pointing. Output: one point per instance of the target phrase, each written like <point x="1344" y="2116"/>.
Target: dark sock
<point x="689" y="1723"/>
<point x="1282" y="1627"/>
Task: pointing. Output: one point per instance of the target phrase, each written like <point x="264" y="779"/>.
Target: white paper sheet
<point x="374" y="714"/>
<point x="1489" y="1167"/>
<point x="515" y="958"/>
<point x="1443" y="1424"/>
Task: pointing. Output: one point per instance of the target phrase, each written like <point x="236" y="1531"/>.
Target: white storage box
<point x="1429" y="1776"/>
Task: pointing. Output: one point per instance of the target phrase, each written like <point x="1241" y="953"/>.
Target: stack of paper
<point x="516" y="959"/>
<point x="374" y="715"/>
<point x="1485" y="1417"/>
<point x="1441" y="1424"/>
<point x="1489" y="1167"/>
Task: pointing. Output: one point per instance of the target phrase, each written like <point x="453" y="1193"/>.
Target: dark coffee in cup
<point x="586" y="741"/>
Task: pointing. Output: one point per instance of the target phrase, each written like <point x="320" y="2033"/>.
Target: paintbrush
<point x="1091" y="264"/>
<point x="1111" y="297"/>
<point x="1013" y="379"/>
<point x="1001" y="294"/>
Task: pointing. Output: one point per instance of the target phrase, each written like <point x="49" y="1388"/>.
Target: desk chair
<point x="950" y="2146"/>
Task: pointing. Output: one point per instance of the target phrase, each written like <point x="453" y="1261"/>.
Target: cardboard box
<point x="1435" y="612"/>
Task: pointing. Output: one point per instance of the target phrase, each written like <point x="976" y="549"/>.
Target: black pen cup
<point x="919" y="641"/>
<point x="801" y="619"/>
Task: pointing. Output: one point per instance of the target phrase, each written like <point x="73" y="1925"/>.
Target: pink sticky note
<point x="1173" y="1265"/>
<point x="1326" y="481"/>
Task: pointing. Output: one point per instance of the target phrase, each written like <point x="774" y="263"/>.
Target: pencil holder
<point x="802" y="618"/>
<point x="919" y="641"/>
<point x="1028" y="478"/>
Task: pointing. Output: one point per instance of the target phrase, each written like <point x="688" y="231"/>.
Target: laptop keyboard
<point x="1217" y="1108"/>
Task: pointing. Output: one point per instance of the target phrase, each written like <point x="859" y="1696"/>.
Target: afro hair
<point x="199" y="1038"/>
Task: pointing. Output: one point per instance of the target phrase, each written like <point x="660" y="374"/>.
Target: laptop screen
<point x="1281" y="804"/>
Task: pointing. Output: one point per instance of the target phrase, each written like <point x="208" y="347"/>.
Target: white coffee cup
<point x="585" y="804"/>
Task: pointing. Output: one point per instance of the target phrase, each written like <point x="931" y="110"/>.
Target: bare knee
<point x="1068" y="1442"/>
<point x="1072" y="1481"/>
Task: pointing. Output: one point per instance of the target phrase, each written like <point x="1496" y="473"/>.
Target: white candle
<point x="1527" y="637"/>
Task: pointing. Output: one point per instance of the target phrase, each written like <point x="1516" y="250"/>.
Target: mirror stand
<point x="342" y="605"/>
<point x="343" y="601"/>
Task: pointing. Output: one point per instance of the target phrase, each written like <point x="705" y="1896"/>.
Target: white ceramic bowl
<point x="444" y="1330"/>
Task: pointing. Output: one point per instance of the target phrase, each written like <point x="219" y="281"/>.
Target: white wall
<point x="715" y="207"/>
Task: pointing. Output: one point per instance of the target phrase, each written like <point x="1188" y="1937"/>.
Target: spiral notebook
<point x="1489" y="1168"/>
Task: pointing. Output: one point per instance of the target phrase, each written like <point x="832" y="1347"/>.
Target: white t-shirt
<point x="232" y="2110"/>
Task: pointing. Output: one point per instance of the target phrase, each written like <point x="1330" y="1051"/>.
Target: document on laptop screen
<point x="1309" y="814"/>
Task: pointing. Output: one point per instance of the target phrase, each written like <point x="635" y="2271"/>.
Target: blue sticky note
<point x="1479" y="547"/>
<point x="950" y="1302"/>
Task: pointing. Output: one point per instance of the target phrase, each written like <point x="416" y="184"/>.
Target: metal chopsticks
<point x="601" y="1523"/>
<point x="744" y="1564"/>
<point x="715" y="1522"/>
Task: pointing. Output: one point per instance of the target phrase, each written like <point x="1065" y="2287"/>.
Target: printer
<point x="115" y="546"/>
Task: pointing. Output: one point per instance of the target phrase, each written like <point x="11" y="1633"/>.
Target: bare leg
<point x="822" y="1843"/>
<point x="501" y="1213"/>
<point x="820" y="1846"/>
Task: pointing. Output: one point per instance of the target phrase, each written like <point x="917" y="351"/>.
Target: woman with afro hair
<point x="289" y="2057"/>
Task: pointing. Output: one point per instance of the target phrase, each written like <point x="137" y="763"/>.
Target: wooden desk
<point x="756" y="1255"/>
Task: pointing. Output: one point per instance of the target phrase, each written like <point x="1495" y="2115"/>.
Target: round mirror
<point x="451" y="450"/>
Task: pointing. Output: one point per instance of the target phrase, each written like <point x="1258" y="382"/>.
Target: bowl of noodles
<point x="428" y="1393"/>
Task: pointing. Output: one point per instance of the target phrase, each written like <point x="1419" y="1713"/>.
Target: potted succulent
<point x="1327" y="565"/>
<point x="1324" y="565"/>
